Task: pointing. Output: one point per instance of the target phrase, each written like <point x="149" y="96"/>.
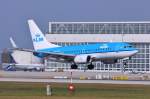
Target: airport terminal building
<point x="74" y="33"/>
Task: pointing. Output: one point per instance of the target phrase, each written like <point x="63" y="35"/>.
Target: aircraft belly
<point x="112" y="55"/>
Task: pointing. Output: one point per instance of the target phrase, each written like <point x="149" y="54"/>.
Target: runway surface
<point x="49" y="75"/>
<point x="74" y="81"/>
<point x="67" y="74"/>
<point x="64" y="77"/>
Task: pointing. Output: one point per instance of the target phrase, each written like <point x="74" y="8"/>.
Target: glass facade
<point x="139" y="62"/>
<point x="100" y="28"/>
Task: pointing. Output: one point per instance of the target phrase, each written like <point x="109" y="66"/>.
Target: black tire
<point x="91" y="66"/>
<point x="74" y="66"/>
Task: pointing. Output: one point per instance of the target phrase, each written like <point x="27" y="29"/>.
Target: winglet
<point x="13" y="43"/>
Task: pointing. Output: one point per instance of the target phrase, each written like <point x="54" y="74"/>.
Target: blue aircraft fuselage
<point x="91" y="48"/>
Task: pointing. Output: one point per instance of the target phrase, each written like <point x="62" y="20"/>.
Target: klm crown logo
<point x="38" y="38"/>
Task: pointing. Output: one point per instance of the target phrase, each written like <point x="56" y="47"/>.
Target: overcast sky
<point x="14" y="15"/>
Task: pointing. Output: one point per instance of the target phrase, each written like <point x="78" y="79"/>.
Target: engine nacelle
<point x="82" y="59"/>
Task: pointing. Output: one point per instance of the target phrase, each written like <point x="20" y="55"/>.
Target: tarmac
<point x="65" y="77"/>
<point x="73" y="74"/>
<point x="74" y="81"/>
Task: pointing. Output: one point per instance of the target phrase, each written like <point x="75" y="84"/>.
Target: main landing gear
<point x="89" y="66"/>
<point x="74" y="66"/>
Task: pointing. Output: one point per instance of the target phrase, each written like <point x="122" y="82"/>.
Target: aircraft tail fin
<point x="13" y="43"/>
<point x="38" y="38"/>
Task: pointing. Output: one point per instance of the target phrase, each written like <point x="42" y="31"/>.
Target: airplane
<point x="24" y="67"/>
<point x="22" y="63"/>
<point x="108" y="53"/>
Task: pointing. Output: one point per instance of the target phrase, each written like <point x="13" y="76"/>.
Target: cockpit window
<point x="128" y="46"/>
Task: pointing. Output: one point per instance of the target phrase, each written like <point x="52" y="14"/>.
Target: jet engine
<point x="82" y="59"/>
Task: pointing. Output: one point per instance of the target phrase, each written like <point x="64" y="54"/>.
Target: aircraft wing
<point x="67" y="57"/>
<point x="57" y="55"/>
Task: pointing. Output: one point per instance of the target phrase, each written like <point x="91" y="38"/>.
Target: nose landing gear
<point x="124" y="65"/>
<point x="90" y="66"/>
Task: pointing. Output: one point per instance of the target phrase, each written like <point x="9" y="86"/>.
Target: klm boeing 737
<point x="107" y="53"/>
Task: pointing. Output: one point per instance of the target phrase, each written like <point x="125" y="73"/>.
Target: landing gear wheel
<point x="124" y="65"/>
<point x="90" y="66"/>
<point x="74" y="66"/>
